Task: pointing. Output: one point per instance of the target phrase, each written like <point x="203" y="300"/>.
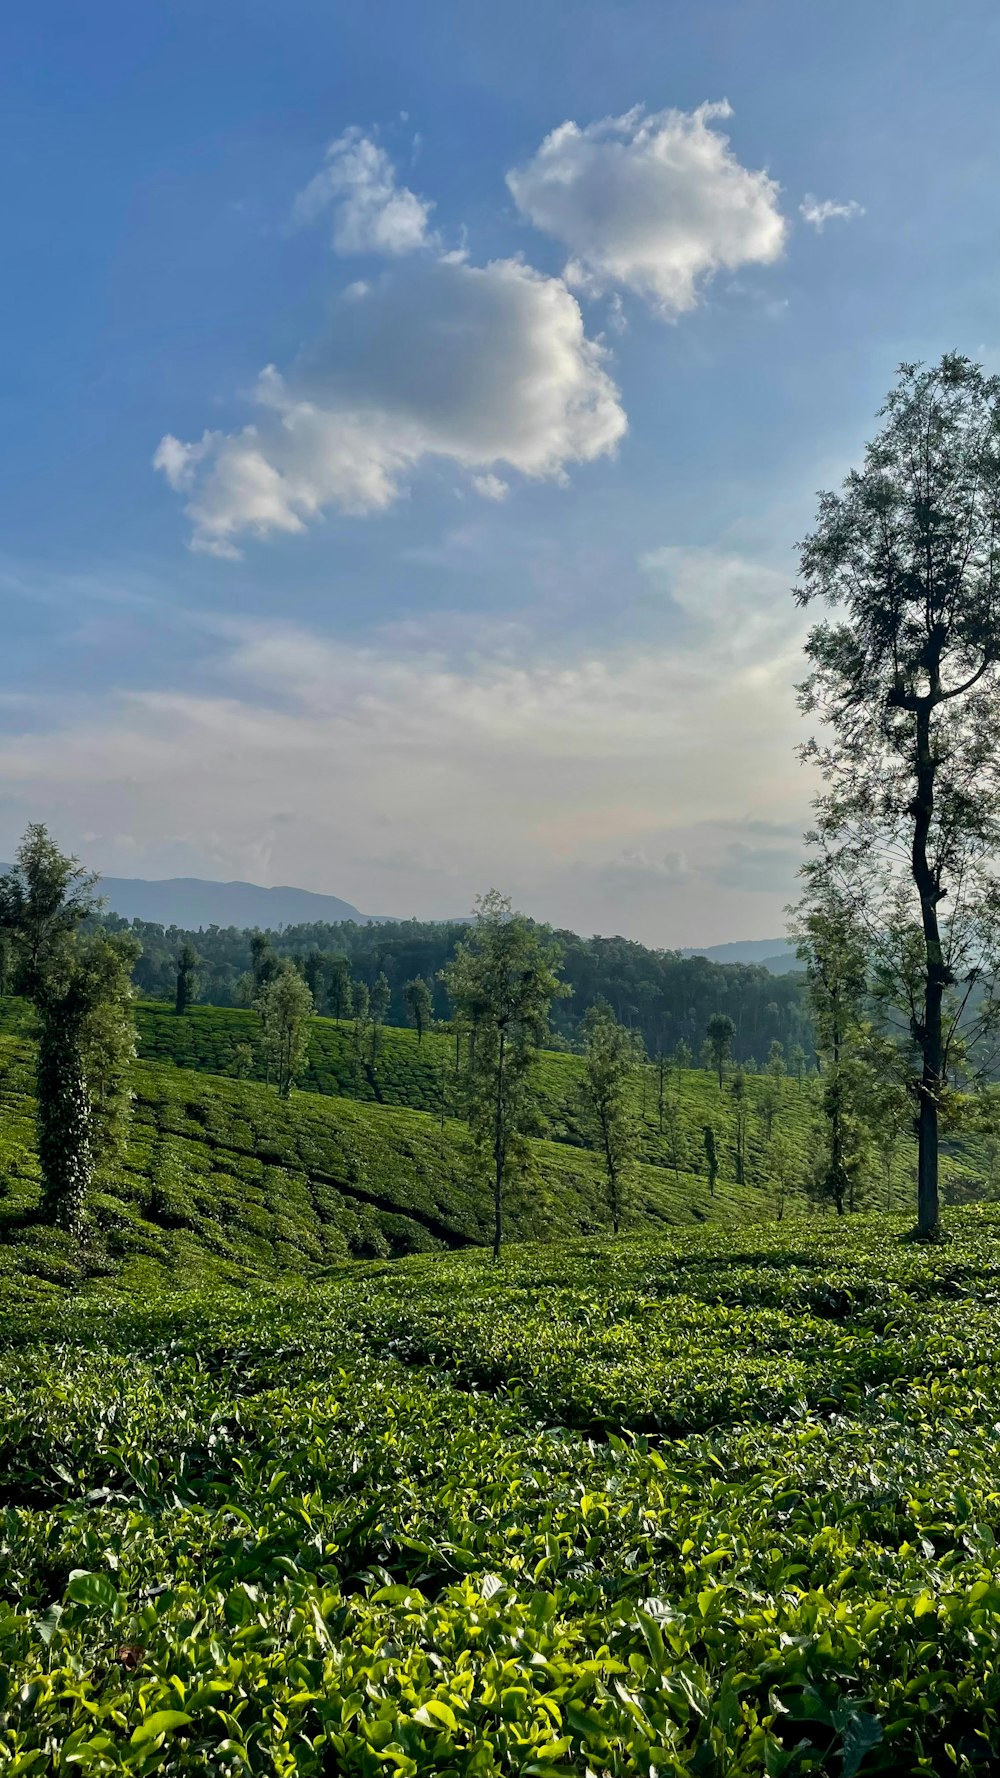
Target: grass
<point x="721" y="1502"/>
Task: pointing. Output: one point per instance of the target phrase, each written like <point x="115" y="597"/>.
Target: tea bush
<point x="346" y="1527"/>
<point x="223" y="1176"/>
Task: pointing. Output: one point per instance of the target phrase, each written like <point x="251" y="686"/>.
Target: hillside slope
<point x="222" y="1176"/>
<point x="419" y="1075"/>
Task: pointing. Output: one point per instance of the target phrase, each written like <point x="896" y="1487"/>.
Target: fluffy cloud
<point x="483" y="366"/>
<point x="371" y="212"/>
<point x="818" y="214"/>
<point x="654" y="203"/>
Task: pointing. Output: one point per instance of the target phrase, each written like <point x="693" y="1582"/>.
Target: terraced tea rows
<point x="293" y="1530"/>
<point x="222" y="1174"/>
<point x="412" y="1075"/>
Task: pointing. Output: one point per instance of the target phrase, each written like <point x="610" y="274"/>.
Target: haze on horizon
<point x="411" y="417"/>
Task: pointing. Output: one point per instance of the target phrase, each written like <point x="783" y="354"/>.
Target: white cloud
<point x="818" y="214"/>
<point x="371" y="212"/>
<point x="482" y="366"/>
<point x="735" y="607"/>
<point x="650" y="202"/>
<point x="491" y="487"/>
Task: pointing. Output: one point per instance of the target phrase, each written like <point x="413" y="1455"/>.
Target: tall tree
<point x="502" y="982"/>
<point x="80" y="986"/>
<point x="720" y="1032"/>
<point x="360" y="1004"/>
<point x="86" y="1047"/>
<point x="381" y="997"/>
<point x="285" y="1007"/>
<point x="608" y="1086"/>
<point x="264" y="962"/>
<point x="315" y="968"/>
<point x="339" y="987"/>
<point x="419" y="1005"/>
<point x="741" y="1120"/>
<point x="831" y="942"/>
<point x="907" y="683"/>
<point x="186" y="990"/>
<point x="769" y="1097"/>
<point x="711" y="1156"/>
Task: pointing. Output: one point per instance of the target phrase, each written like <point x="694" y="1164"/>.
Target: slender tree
<point x="720" y="1032"/>
<point x="338" y="987"/>
<point x="906" y="679"/>
<point x="86" y="1047"/>
<point x="419" y="1005"/>
<point x="769" y="1097"/>
<point x="285" y="1008"/>
<point x="501" y="982"/>
<point x="264" y="962"/>
<point x="80" y="986"/>
<point x="741" y="1109"/>
<point x="186" y="990"/>
<point x="381" y="997"/>
<point x="315" y="969"/>
<point x="608" y="1087"/>
<point x="830" y="941"/>
<point x="711" y="1156"/>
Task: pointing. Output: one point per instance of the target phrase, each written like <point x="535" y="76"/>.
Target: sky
<point x="411" y="413"/>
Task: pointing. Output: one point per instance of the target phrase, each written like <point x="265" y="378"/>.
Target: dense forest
<point x="665" y="997"/>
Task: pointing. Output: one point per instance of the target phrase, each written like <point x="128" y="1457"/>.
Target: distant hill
<point x="194" y="902"/>
<point x="775" y="954"/>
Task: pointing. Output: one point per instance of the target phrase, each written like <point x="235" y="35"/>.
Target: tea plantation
<point x="216" y="1040"/>
<point x="222" y="1176"/>
<point x="721" y="1502"/>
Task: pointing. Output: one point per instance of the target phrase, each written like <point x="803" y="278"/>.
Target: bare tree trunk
<point x="498" y="1152"/>
<point x="928" y="1031"/>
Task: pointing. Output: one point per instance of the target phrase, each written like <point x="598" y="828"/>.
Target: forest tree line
<point x="663" y="997"/>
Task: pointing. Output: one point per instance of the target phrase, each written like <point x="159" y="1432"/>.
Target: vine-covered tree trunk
<point x="64" y="1123"/>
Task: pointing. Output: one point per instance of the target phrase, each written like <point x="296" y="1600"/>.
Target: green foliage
<point x="217" y="1040"/>
<point x="419" y="1005"/>
<point x="832" y="945"/>
<point x="44" y="898"/>
<point x="80" y="986"/>
<point x="501" y="983"/>
<point x="609" y="1069"/>
<point x="906" y="679"/>
<point x="665" y="997"/>
<point x="187" y="977"/>
<point x="284" y="1006"/>
<point x="719" y="1034"/>
<point x="367" y="1526"/>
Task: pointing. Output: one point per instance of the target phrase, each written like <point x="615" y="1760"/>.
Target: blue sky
<point x="486" y="580"/>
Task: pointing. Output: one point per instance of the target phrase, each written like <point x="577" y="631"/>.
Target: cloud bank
<point x="649" y="788"/>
